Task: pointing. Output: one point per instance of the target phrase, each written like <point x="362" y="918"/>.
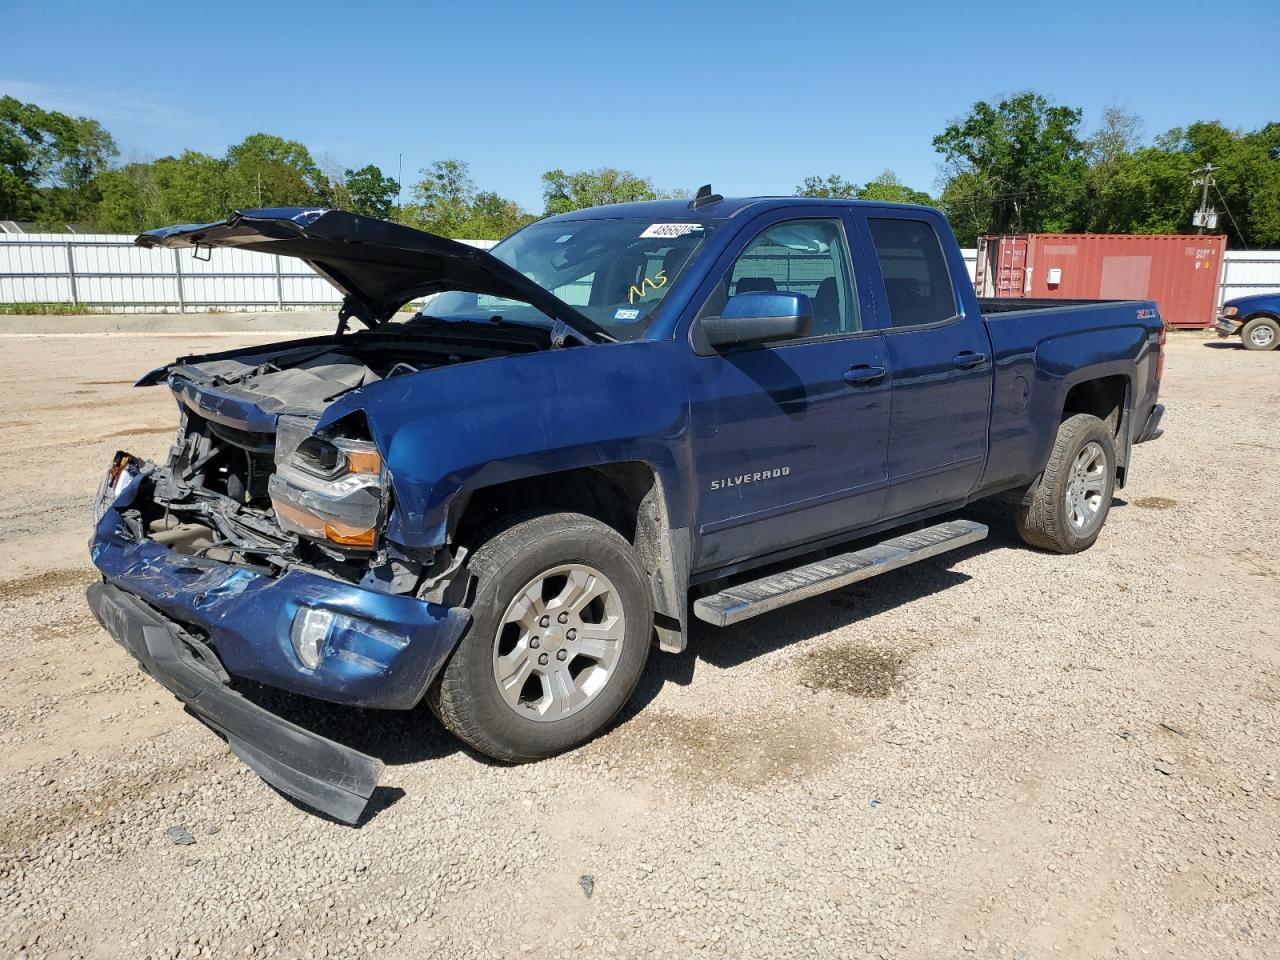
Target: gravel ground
<point x="998" y="753"/>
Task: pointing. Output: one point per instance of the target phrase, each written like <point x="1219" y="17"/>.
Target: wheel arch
<point x="1105" y="397"/>
<point x="628" y="496"/>
<point x="1109" y="398"/>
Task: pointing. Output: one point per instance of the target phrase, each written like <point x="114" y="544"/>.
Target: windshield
<point x="615" y="272"/>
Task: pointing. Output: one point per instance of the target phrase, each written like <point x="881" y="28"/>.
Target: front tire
<point x="560" y="632"/>
<point x="1065" y="509"/>
<point x="1260" y="333"/>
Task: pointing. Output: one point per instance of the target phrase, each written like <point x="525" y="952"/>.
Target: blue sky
<point x="751" y="96"/>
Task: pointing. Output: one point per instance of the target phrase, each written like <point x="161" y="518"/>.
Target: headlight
<point x="328" y="488"/>
<point x="330" y="459"/>
<point x="124" y="467"/>
<point x="1230" y="311"/>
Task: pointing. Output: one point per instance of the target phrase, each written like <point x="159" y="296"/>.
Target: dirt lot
<point x="999" y="753"/>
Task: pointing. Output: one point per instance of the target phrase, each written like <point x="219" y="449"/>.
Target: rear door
<point x="940" y="363"/>
<point x="790" y="438"/>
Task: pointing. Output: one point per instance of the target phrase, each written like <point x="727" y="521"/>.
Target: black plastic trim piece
<point x="332" y="778"/>
<point x="1152" y="431"/>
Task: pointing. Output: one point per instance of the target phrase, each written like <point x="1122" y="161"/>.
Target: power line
<point x="1239" y="232"/>
<point x="979" y="195"/>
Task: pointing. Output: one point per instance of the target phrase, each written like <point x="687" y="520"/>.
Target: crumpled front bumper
<point x="1226" y="327"/>
<point x="333" y="779"/>
<point x="247" y="617"/>
<point x="161" y="605"/>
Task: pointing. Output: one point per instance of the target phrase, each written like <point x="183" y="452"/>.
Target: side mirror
<point x="760" y="316"/>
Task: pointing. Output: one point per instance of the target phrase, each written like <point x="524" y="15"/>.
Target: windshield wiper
<point x="559" y="330"/>
<point x="496" y="320"/>
<point x="561" y="333"/>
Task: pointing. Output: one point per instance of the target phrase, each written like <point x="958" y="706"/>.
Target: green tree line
<point x="1024" y="165"/>
<point x="56" y="170"/>
<point x="1017" y="164"/>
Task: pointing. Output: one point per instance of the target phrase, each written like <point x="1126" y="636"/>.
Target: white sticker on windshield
<point x="669" y="231"/>
<point x="624" y="313"/>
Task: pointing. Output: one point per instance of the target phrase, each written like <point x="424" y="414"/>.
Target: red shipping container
<point x="1180" y="273"/>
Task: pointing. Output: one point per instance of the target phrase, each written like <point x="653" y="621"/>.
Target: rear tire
<point x="1260" y="333"/>
<point x="1065" y="509"/>
<point x="560" y="632"/>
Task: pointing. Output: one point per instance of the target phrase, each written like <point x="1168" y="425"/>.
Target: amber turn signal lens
<point x="301" y="519"/>
<point x="364" y="461"/>
<point x="349" y="536"/>
<point x="313" y="525"/>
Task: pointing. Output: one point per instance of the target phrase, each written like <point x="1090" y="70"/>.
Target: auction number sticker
<point x="669" y="231"/>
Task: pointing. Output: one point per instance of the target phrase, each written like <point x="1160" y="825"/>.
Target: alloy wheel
<point x="559" y="642"/>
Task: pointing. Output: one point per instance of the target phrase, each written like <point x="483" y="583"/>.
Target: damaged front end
<point x="257" y="551"/>
<point x="251" y="480"/>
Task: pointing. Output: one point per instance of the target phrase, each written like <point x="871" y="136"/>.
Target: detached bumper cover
<point x="1226" y="328"/>
<point x="328" y="776"/>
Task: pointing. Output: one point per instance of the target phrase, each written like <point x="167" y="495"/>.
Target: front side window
<point x="616" y="272"/>
<point x="800" y="256"/>
<point x="915" y="272"/>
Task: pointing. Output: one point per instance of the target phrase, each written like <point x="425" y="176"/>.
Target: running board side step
<point x="751" y="599"/>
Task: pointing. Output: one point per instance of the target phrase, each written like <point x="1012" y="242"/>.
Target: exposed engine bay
<point x="250" y="481"/>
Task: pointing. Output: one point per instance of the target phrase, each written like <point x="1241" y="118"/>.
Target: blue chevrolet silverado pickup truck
<point x="616" y="419"/>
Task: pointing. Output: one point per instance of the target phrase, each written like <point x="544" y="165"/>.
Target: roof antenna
<point x="704" y="197"/>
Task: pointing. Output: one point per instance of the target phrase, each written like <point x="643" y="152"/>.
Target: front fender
<point x="449" y="431"/>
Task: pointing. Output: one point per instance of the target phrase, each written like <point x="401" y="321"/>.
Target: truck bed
<point x="1041" y="347"/>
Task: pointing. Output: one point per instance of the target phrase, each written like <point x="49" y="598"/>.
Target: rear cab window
<point x="916" y="279"/>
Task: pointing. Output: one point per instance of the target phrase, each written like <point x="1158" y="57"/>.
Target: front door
<point x="790" y="438"/>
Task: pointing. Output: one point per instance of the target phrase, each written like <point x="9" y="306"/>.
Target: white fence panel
<point x="34" y="273"/>
<point x="107" y="272"/>
<point x="1250" y="271"/>
<point x="104" y="289"/>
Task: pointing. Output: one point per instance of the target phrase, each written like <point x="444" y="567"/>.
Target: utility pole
<point x="1206" y="216"/>
<point x="400" y="182"/>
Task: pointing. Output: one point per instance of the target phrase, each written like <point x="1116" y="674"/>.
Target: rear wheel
<point x="1261" y="333"/>
<point x="561" y="623"/>
<point x="1065" y="509"/>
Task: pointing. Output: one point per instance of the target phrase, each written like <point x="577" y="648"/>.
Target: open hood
<point x="378" y="266"/>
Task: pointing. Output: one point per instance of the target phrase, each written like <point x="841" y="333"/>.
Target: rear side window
<point x="803" y="256"/>
<point x="914" y="270"/>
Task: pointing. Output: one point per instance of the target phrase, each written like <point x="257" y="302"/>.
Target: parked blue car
<point x="502" y="503"/>
<point x="1255" y="319"/>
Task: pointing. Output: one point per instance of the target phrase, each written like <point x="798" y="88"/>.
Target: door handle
<point x="863" y="373"/>
<point x="968" y="358"/>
